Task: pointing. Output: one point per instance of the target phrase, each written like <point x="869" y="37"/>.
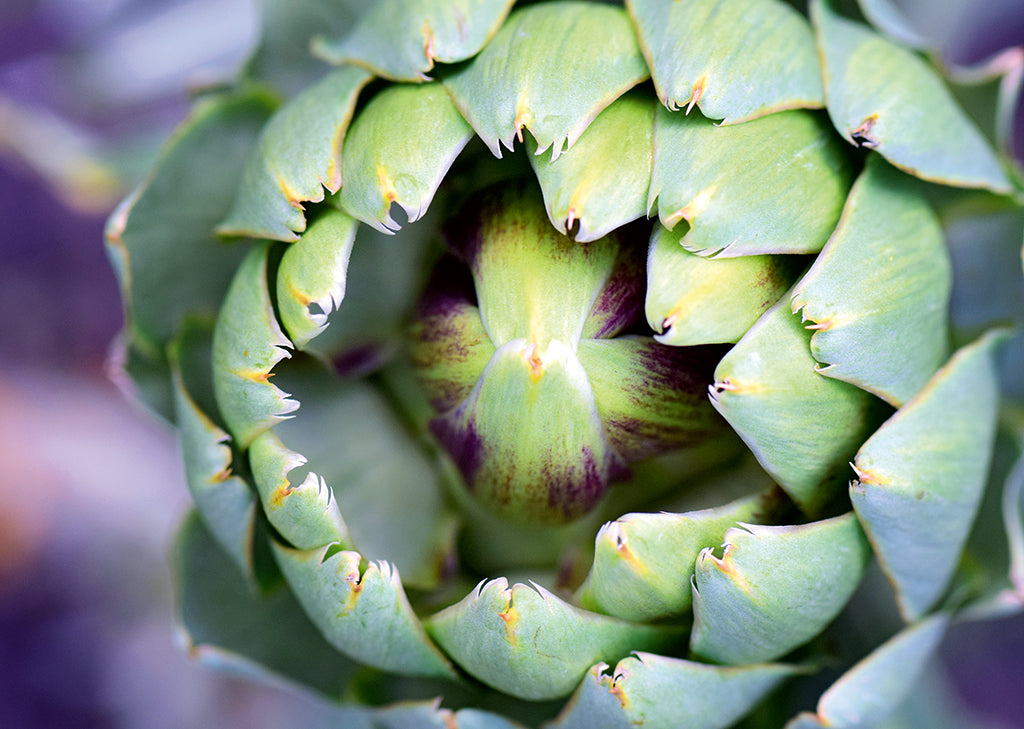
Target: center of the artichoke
<point x="543" y="393"/>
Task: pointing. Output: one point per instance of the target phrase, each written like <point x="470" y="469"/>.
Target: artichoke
<point x="585" y="365"/>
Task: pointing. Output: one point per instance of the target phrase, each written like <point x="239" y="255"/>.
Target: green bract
<point x="588" y="365"/>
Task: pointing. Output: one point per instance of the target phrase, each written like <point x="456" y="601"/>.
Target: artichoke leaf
<point x="532" y="282"/>
<point x="528" y="643"/>
<point x="397" y="152"/>
<point x="657" y="692"/>
<point x="643" y="563"/>
<point x="774" y="588"/>
<point x="384" y="276"/>
<point x="223" y="500"/>
<point x="802" y="427"/>
<point x="773" y="185"/>
<point x="550" y="69"/>
<point x="886" y="98"/>
<point x="691" y="48"/>
<point x="168" y="263"/>
<point x="696" y="300"/>
<point x="312" y="275"/>
<point x="367" y="484"/>
<point x="874" y="688"/>
<point x="450" y="345"/>
<point x="298" y="155"/>
<point x="651" y="398"/>
<point x="920" y="476"/>
<point x="401" y="39"/>
<point x="361" y="611"/>
<point x="528" y="440"/>
<point x="603" y="184"/>
<point x="306" y="514"/>
<point x="247" y="344"/>
<point x="878" y="294"/>
<point x="225" y="622"/>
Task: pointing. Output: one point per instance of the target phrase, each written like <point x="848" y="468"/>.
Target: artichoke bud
<point x="543" y="386"/>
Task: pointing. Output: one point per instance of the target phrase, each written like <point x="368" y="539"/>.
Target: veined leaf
<point x="550" y="69"/>
<point x="298" y="155"/>
<point x="878" y="295"/>
<point x="655" y="692"/>
<point x="312" y="276"/>
<point x="398" y="150"/>
<point x="803" y="427"/>
<point x="773" y="185"/>
<point x="603" y="183"/>
<point x="774" y="588"/>
<point x="401" y="39"/>
<point x="920" y="476"/>
<point x="526" y="642"/>
<point x="696" y="300"/>
<point x="886" y="98"/>
<point x="643" y="563"/>
<point x="360" y="461"/>
<point x="223" y="500"/>
<point x="247" y="343"/>
<point x="363" y="612"/>
<point x="226" y="623"/>
<point x="528" y="439"/>
<point x="692" y="50"/>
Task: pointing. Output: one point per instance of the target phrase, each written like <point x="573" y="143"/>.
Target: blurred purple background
<point x="91" y="489"/>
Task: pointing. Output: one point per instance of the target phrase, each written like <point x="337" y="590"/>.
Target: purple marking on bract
<point x="621" y="301"/>
<point x="462" y="442"/>
<point x="683" y="369"/>
<point x="575" y="489"/>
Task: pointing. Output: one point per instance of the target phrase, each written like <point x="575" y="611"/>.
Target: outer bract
<point x="587" y="365"/>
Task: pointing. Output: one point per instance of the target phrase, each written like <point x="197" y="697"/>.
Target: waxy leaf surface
<point x="773" y="185"/>
<point x="364" y="613"/>
<point x="774" y="588"/>
<point x="603" y="183"/>
<point x="651" y="398"/>
<point x="886" y="98"/>
<point x="528" y="439"/>
<point x="359" y="455"/>
<point x="656" y="692"/>
<point x="878" y="295"/>
<point x="550" y="69"/>
<point x="920" y="476"/>
<point x="643" y="562"/>
<point x="401" y="39"/>
<point x="803" y="427"/>
<point x="223" y="500"/>
<point x="397" y="152"/>
<point x="298" y="155"/>
<point x="691" y="48"/>
<point x="696" y="300"/>
<point x="226" y="623"/>
<point x="247" y="343"/>
<point x="526" y="642"/>
<point x="312" y="275"/>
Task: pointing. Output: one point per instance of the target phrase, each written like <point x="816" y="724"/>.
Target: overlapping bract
<point x="827" y="270"/>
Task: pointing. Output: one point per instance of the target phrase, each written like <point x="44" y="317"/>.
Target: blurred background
<point x="91" y="490"/>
